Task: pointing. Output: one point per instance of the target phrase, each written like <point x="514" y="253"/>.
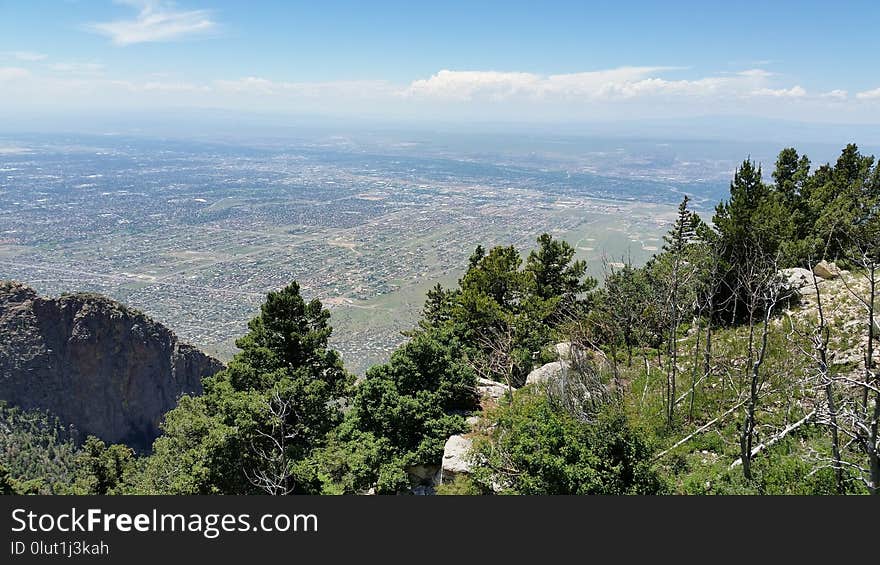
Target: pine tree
<point x="677" y="283"/>
<point x="261" y="418"/>
<point x="438" y="307"/>
<point x="555" y="272"/>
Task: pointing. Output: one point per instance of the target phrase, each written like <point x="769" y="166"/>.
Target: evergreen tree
<point x="407" y="407"/>
<point x="438" y="307"/>
<point x="626" y="304"/>
<point x="101" y="469"/>
<point x="556" y="274"/>
<point x="261" y="418"/>
<point x="6" y="481"/>
<point x="684" y="229"/>
<point x="753" y="225"/>
<point x="790" y="176"/>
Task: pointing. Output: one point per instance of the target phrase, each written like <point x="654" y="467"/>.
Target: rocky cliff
<point x="108" y="370"/>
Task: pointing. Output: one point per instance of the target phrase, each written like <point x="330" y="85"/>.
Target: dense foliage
<point x="539" y="448"/>
<point x="261" y="418"/>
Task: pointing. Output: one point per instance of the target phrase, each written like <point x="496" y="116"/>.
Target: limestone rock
<point x="563" y="350"/>
<point x="797" y="278"/>
<point x="456" y="455"/>
<point x="826" y="270"/>
<point x="108" y="370"/>
<point x="547" y="372"/>
<point x="489" y="389"/>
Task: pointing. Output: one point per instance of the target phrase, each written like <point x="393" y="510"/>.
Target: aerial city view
<point x="195" y="234"/>
<point x="344" y="248"/>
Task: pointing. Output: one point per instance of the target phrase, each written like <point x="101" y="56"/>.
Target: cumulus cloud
<point x="610" y="84"/>
<point x="869" y="94"/>
<point x="156" y="21"/>
<point x="837" y="94"/>
<point x="464" y="85"/>
<point x="625" y="92"/>
<point x="793" y="92"/>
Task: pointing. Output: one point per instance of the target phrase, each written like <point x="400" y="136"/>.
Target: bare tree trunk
<point x="835" y="440"/>
<point x="707" y="352"/>
<point x="773" y="440"/>
<point x="869" y="351"/>
<point x="821" y="344"/>
<point x="614" y="370"/>
<point x="751" y="342"/>
<point x="873" y="456"/>
<point x="870" y="380"/>
<point x="749" y="424"/>
<point x="694" y="374"/>
<point x="699" y="430"/>
<point x="671" y="374"/>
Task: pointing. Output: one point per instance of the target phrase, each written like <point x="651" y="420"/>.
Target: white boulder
<point x="489" y="389"/>
<point x="546" y="373"/>
<point x="456" y="457"/>
<point x="797" y="278"/>
<point x="563" y="350"/>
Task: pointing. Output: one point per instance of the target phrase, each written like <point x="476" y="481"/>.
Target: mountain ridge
<point x="98" y="365"/>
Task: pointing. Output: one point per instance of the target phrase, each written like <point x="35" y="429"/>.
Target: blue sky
<point x="534" y="61"/>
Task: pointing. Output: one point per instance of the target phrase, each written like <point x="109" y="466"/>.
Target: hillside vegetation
<point x="740" y="359"/>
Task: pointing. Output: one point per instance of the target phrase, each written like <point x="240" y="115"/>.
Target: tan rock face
<point x="108" y="370"/>
<point x="826" y="270"/>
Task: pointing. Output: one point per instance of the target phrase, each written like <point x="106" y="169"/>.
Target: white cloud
<point x="464" y="85"/>
<point x="793" y="92"/>
<point x="836" y="94"/>
<point x="28" y="56"/>
<point x="157" y="86"/>
<point x="611" y="84"/>
<point x="77" y="68"/>
<point x="755" y="73"/>
<point x="13" y="73"/>
<point x="467" y="85"/>
<point x="625" y="93"/>
<point x="156" y="21"/>
<point x="869" y="94"/>
<point x="255" y="85"/>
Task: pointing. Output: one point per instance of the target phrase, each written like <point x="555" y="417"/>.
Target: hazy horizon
<point x="568" y="63"/>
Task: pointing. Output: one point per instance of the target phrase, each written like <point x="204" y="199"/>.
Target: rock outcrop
<point x="107" y="370"/>
<point x="826" y="270"/>
<point x="797" y="278"/>
<point x="546" y="373"/>
<point x="490" y="390"/>
<point x="456" y="457"/>
<point x="842" y="294"/>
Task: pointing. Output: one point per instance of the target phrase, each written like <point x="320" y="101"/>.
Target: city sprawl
<point x="194" y="235"/>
